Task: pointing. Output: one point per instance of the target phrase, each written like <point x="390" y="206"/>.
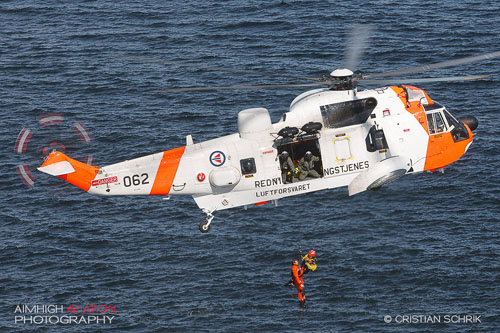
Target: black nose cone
<point x="470" y="121"/>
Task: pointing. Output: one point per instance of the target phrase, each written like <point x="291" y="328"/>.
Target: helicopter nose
<point x="470" y="121"/>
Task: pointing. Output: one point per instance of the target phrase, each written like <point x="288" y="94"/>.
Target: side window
<point x="452" y="122"/>
<point x="430" y="123"/>
<point x="440" y="126"/>
<point x="458" y="130"/>
<point x="248" y="166"/>
<point x="375" y="140"/>
<point x="347" y="113"/>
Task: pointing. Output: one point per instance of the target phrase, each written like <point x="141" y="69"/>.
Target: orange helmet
<point x="312" y="253"/>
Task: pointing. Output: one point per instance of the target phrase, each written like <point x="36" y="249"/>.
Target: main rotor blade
<point x="262" y="86"/>
<point x="443" y="64"/>
<point x="356" y="45"/>
<point x="218" y="68"/>
<point x="424" y="80"/>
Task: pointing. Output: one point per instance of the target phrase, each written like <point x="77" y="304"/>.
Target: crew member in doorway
<point x="287" y="167"/>
<point x="297" y="273"/>
<point x="306" y="166"/>
<point x="309" y="262"/>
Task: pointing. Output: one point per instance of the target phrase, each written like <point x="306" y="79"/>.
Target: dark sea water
<point x="428" y="244"/>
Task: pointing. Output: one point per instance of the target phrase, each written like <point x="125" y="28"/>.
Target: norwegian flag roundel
<point x="217" y="158"/>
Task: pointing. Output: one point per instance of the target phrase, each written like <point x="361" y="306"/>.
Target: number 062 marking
<point x="135" y="180"/>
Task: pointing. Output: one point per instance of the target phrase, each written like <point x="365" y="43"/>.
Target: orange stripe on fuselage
<point x="83" y="174"/>
<point x="166" y="171"/>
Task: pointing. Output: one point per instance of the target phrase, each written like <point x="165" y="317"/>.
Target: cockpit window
<point x="438" y="118"/>
<point x="451" y="120"/>
<point x="440" y="126"/>
<point x="458" y="130"/>
<point x="430" y="124"/>
<point x="436" y="122"/>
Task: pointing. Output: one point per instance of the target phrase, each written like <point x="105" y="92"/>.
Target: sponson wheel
<point x="204" y="226"/>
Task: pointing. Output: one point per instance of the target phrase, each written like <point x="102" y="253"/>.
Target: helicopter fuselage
<point x="361" y="139"/>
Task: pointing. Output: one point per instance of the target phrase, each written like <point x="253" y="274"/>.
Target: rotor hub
<point x="341" y="73"/>
<point x="342" y="79"/>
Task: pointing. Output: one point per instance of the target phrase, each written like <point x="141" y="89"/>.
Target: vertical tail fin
<point x="72" y="171"/>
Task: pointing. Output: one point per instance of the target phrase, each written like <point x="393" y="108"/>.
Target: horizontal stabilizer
<point x="58" y="169"/>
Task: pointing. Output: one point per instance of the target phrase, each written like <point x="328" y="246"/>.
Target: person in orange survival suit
<point x="297" y="272"/>
<point x="309" y="263"/>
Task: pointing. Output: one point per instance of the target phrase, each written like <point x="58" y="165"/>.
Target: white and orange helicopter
<point x="361" y="139"/>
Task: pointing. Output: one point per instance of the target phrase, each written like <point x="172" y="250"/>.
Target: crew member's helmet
<point x="308" y="153"/>
<point x="284" y="153"/>
<point x="312" y="254"/>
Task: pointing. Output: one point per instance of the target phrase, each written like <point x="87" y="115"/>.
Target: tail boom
<point x="148" y="175"/>
<point x="72" y="171"/>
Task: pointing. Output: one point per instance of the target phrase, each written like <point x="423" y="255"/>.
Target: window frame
<point x="432" y="114"/>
